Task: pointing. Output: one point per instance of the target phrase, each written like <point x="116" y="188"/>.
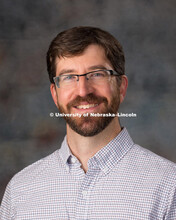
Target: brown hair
<point x="74" y="41"/>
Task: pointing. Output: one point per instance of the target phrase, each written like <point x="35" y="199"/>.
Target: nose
<point x="83" y="86"/>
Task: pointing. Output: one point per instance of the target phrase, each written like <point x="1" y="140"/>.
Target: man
<point x="98" y="173"/>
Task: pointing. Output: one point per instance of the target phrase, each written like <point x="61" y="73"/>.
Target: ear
<point x="54" y="93"/>
<point x="123" y="87"/>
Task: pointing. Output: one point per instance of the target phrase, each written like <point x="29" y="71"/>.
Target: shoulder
<point x="30" y="182"/>
<point x="152" y="157"/>
<point x="152" y="164"/>
<point x="38" y="170"/>
<point x="157" y="174"/>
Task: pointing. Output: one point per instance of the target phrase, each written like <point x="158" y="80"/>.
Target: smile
<point x="86" y="106"/>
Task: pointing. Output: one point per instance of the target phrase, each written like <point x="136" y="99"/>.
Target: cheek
<point x="110" y="90"/>
<point x="64" y="97"/>
<point x="115" y="89"/>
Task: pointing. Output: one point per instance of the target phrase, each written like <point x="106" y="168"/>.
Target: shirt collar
<point x="64" y="151"/>
<point x="108" y="156"/>
<point x="113" y="152"/>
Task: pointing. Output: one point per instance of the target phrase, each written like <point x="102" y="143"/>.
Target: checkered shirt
<point x="124" y="182"/>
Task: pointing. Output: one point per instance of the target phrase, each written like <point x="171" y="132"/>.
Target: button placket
<point x="84" y="207"/>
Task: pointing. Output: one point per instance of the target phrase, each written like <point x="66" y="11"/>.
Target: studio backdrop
<point x="147" y="31"/>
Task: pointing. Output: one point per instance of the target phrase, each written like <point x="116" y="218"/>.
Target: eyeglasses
<point x="97" y="77"/>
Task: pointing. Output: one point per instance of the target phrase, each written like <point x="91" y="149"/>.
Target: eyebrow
<point x="66" y="71"/>
<point x="95" y="67"/>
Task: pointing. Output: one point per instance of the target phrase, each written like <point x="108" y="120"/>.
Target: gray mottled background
<point x="147" y="31"/>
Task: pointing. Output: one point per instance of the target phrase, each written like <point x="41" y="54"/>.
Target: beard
<point x="90" y="126"/>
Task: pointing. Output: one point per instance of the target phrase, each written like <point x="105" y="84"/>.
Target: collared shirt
<point x="124" y="182"/>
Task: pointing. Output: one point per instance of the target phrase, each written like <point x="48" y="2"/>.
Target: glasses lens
<point x="67" y="80"/>
<point x="99" y="76"/>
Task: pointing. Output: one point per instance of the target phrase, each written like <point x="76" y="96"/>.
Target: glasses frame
<point x="111" y="73"/>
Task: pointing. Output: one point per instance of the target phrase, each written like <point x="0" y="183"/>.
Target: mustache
<point x="90" y="98"/>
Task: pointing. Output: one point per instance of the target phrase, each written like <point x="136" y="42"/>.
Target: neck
<point x="86" y="147"/>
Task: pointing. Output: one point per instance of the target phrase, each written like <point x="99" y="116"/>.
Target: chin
<point x="89" y="127"/>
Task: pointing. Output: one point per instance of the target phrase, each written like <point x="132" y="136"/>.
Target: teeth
<point x="86" y="106"/>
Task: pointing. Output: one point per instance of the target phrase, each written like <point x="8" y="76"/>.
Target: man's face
<point x="85" y="97"/>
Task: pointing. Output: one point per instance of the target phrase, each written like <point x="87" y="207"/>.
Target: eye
<point x="98" y="74"/>
<point x="68" y="78"/>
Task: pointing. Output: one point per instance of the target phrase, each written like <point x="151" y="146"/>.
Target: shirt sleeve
<point x="171" y="212"/>
<point x="5" y="209"/>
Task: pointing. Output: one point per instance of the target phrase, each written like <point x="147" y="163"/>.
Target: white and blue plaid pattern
<point x="124" y="182"/>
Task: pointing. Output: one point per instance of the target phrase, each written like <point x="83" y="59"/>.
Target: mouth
<point x="88" y="106"/>
<point x="89" y="103"/>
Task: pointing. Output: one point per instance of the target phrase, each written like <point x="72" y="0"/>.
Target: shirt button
<point x="84" y="193"/>
<point x="105" y="169"/>
<point x="73" y="160"/>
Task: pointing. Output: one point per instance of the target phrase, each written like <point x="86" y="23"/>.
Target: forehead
<point x="93" y="55"/>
